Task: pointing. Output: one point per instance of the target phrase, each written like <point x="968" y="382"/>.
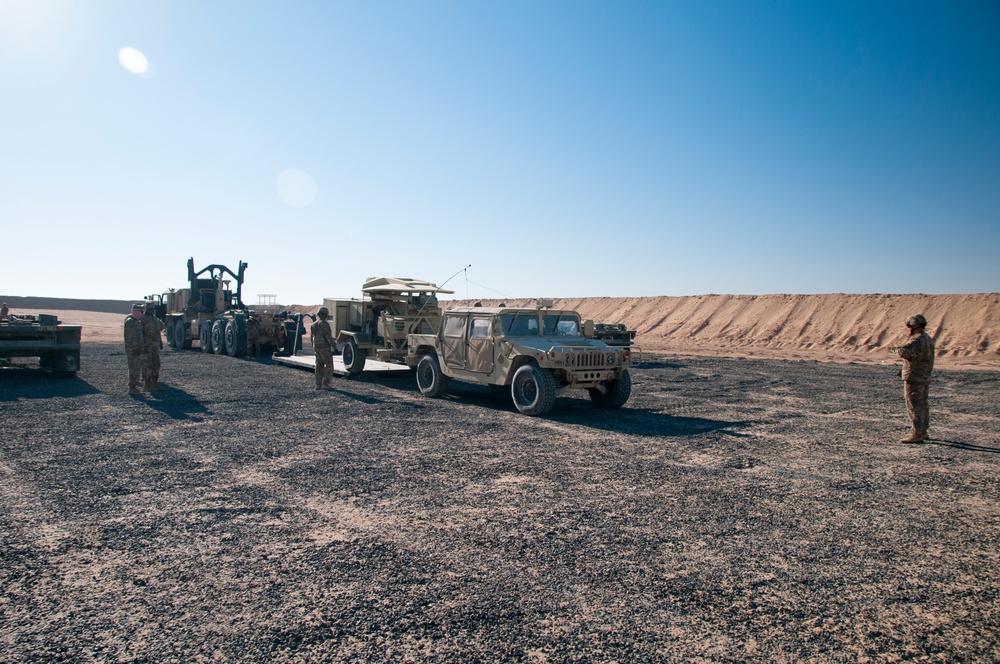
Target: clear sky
<point x="560" y="148"/>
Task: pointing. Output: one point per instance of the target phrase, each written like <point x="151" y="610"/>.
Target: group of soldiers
<point x="143" y="342"/>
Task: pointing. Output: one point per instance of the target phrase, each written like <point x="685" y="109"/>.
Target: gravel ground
<point x="734" y="510"/>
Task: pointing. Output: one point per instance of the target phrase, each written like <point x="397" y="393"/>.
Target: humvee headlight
<point x="570" y="359"/>
<point x="611" y="359"/>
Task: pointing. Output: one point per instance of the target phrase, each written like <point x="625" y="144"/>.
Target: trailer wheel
<point x="236" y="338"/>
<point x="354" y="359"/>
<point x="430" y="381"/>
<point x="219" y="337"/>
<point x="617" y="393"/>
<point x="205" y="337"/>
<point x="533" y="390"/>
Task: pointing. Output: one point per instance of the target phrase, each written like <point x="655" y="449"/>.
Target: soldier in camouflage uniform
<point x="4" y="310"/>
<point x="253" y="336"/>
<point x="135" y="347"/>
<point x="152" y="327"/>
<point x="918" y="362"/>
<point x="321" y="336"/>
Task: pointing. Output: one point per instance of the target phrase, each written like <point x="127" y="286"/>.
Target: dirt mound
<point x="835" y="327"/>
<point x="966" y="328"/>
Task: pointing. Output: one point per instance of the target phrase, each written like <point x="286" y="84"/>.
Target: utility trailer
<point x="377" y="326"/>
<point x="56" y="346"/>
<point x="212" y="315"/>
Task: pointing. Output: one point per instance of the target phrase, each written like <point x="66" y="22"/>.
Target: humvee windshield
<point x="525" y="324"/>
<point x="560" y="325"/>
<point x="519" y="324"/>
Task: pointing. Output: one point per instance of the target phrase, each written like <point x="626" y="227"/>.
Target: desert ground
<point x="738" y="508"/>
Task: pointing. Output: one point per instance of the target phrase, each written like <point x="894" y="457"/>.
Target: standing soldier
<point x="321" y="337"/>
<point x="4" y="310"/>
<point x="253" y="335"/>
<point x="135" y="345"/>
<point x="151" y="329"/>
<point x="918" y="362"/>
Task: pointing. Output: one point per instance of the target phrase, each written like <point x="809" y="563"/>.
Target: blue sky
<point x="561" y="149"/>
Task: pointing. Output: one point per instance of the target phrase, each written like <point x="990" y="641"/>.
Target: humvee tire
<point x="205" y="336"/>
<point x="617" y="394"/>
<point x="354" y="359"/>
<point x="219" y="337"/>
<point x="430" y="381"/>
<point x="533" y="390"/>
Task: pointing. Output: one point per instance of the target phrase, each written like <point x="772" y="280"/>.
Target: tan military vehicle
<point x="535" y="352"/>
<point x="378" y="325"/>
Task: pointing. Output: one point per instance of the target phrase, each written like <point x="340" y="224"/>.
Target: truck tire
<point x="430" y="381"/>
<point x="168" y="329"/>
<point x="219" y="337"/>
<point x="533" y="390"/>
<point x="617" y="394"/>
<point x="205" y="337"/>
<point x="181" y="341"/>
<point x="236" y="338"/>
<point x="354" y="359"/>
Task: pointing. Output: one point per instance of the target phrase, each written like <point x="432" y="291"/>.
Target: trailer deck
<point x="371" y="366"/>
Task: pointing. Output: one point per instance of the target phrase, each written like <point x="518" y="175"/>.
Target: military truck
<point x="56" y="346"/>
<point x="212" y="314"/>
<point x="536" y="353"/>
<point x="378" y="325"/>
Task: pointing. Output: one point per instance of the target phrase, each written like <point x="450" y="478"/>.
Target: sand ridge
<point x="830" y="327"/>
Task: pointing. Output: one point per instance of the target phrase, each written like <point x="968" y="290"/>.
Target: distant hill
<point x="61" y="303"/>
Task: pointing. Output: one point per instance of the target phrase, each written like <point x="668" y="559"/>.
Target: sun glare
<point x="296" y="188"/>
<point x="133" y="60"/>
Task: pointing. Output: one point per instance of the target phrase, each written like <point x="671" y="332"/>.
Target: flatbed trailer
<point x="371" y="366"/>
<point x="56" y="346"/>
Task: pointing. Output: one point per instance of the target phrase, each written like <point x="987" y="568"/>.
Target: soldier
<point x="135" y="346"/>
<point x="253" y="336"/>
<point x="152" y="327"/>
<point x="4" y="310"/>
<point x="321" y="337"/>
<point x="918" y="362"/>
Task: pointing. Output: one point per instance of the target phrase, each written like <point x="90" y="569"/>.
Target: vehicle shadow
<point x="176" y="403"/>
<point x="31" y="383"/>
<point x="580" y="412"/>
<point x="964" y="446"/>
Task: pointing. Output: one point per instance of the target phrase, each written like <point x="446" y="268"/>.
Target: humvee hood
<point x="545" y="344"/>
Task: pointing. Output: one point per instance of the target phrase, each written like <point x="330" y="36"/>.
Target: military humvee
<point x="535" y="352"/>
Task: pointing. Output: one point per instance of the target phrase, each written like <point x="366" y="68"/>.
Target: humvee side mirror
<point x="588" y="329"/>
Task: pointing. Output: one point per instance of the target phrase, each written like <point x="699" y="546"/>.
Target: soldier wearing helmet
<point x="918" y="362"/>
<point x="152" y="328"/>
<point x="135" y="347"/>
<point x="321" y="336"/>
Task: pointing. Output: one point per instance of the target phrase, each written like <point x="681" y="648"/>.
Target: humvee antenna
<point x="456" y="274"/>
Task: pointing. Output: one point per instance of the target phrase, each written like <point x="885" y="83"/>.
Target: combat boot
<point x="133" y="390"/>
<point x="914" y="437"/>
<point x="154" y="387"/>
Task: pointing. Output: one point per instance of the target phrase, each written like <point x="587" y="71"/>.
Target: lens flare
<point x="133" y="60"/>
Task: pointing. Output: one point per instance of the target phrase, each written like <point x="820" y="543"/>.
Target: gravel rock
<point x="734" y="510"/>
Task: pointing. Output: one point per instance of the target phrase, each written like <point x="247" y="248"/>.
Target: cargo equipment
<point x="378" y="325"/>
<point x="212" y="314"/>
<point x="56" y="346"/>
